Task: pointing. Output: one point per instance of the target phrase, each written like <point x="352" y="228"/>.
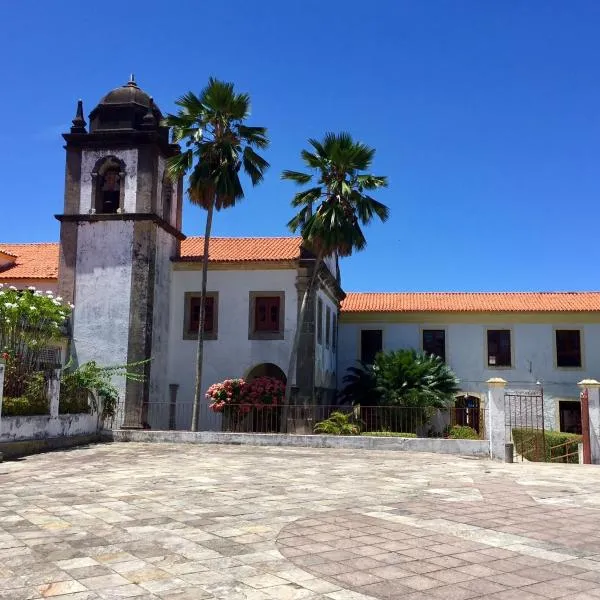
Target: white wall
<point x="466" y="353"/>
<point x="103" y="293"/>
<point x="88" y="162"/>
<point x="165" y="250"/>
<point x="39" y="284"/>
<point x="325" y="357"/>
<point x="232" y="354"/>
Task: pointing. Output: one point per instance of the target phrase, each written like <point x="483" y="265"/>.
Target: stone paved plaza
<point x="180" y="522"/>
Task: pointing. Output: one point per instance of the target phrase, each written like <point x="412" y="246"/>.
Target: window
<point x="499" y="351"/>
<point x="371" y="342"/>
<point x="192" y="315"/>
<point x="334" y="332"/>
<point x="266" y="315"/>
<point x="320" y="321"/>
<point x="108" y="175"/>
<point x="434" y="342"/>
<point x="568" y="348"/>
<point x="327" y="327"/>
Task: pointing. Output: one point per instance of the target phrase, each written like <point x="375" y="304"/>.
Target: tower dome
<point x="127" y="108"/>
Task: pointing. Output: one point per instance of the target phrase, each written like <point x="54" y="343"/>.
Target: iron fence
<point x="302" y="419"/>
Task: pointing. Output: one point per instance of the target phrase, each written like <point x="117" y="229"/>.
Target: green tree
<point x="339" y="187"/>
<point x="407" y="387"/>
<point x="218" y="145"/>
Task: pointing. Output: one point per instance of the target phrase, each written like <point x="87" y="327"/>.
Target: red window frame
<point x="267" y="311"/>
<point x="209" y="314"/>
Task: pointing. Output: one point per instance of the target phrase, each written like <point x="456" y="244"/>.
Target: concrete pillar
<point x="495" y="418"/>
<point x="54" y="392"/>
<point x="593" y="389"/>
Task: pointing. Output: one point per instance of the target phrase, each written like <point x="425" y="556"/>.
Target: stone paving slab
<point x="179" y="522"/>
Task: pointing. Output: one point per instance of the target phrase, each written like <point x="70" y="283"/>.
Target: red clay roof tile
<point x="234" y="249"/>
<point x="472" y="302"/>
<point x="33" y="261"/>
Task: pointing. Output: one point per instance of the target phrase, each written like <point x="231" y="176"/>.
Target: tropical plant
<point x="339" y="187"/>
<point x="94" y="384"/>
<point x="411" y="378"/>
<point x="360" y="386"/>
<point x="218" y="145"/>
<point x="338" y="423"/>
<point x="30" y="320"/>
<point x="401" y="391"/>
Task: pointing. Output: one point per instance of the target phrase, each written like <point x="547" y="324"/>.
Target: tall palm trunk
<point x="200" y="350"/>
<point x="296" y="344"/>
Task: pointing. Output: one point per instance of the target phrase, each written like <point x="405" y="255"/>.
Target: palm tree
<point x="218" y="145"/>
<point x="340" y="187"/>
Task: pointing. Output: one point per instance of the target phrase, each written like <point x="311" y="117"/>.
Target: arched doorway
<point x="266" y="370"/>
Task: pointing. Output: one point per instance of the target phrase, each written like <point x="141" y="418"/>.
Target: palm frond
<point x="299" y="178"/>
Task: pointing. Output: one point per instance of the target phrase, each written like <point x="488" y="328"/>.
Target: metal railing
<point x="302" y="419"/>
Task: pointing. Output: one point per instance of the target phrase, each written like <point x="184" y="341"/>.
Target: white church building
<point x="134" y="278"/>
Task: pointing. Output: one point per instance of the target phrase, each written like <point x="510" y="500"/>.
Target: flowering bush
<point x="29" y="321"/>
<point x="227" y="393"/>
<point x="260" y="393"/>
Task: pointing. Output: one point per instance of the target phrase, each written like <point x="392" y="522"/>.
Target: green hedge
<point x="530" y="444"/>
<point x="462" y="432"/>
<point x="22" y="406"/>
<point x="388" y="434"/>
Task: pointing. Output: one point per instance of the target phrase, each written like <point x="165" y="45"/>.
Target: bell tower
<point x="120" y="228"/>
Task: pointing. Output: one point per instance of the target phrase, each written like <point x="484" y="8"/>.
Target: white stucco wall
<point x="165" y="250"/>
<point x="532" y="345"/>
<point x="232" y="354"/>
<point x="88" y="162"/>
<point x="103" y="290"/>
<point x="325" y="356"/>
<point x="39" y="284"/>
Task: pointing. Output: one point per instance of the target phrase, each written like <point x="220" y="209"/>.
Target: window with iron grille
<point x="499" y="348"/>
<point x="327" y="327"/>
<point x="568" y="348"/>
<point x="334" y="332"/>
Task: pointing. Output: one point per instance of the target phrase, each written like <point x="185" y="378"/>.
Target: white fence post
<point x="593" y="389"/>
<point x="496" y="418"/>
<point x="54" y="392"/>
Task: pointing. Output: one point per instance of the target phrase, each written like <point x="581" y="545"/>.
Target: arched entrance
<point x="266" y="370"/>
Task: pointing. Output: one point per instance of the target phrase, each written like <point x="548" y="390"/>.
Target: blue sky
<point x="485" y="117"/>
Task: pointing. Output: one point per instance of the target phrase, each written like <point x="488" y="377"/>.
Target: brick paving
<point x="178" y="522"/>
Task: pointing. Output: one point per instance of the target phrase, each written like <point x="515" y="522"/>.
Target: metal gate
<point x="524" y="424"/>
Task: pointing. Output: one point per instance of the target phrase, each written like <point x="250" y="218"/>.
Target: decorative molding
<point x="92" y="218"/>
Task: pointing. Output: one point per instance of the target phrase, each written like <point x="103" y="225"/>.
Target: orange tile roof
<point x="236" y="249"/>
<point x="33" y="261"/>
<point x="472" y="302"/>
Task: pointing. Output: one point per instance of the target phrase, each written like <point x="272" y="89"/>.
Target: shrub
<point x="389" y="434"/>
<point x="407" y="386"/>
<point x="338" y="423"/>
<point x="462" y="432"/>
<point x="29" y="321"/>
<point x="245" y="396"/>
<point x="541" y="446"/>
<point x="23" y="406"/>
